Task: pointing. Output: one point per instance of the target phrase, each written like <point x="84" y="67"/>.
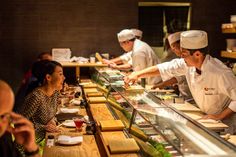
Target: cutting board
<point x="112" y="135"/>
<point x="134" y="88"/>
<point x="123" y="145"/>
<point x="185" y="107"/>
<point x="97" y="99"/>
<point x="90" y="85"/>
<point x="90" y="90"/>
<point x="212" y="126"/>
<point x="194" y="115"/>
<point x="85" y="80"/>
<point x="112" y="125"/>
<point x="231" y="138"/>
<point x="100" y="112"/>
<point x="99" y="57"/>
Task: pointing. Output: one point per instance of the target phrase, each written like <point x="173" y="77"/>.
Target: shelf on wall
<point x="228" y="31"/>
<point x="228" y="28"/>
<point x="228" y="54"/>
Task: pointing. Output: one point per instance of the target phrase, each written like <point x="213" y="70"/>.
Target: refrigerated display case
<point x="159" y="129"/>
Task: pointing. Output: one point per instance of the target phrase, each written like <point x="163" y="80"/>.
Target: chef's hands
<point x="159" y="86"/>
<point x="113" y="65"/>
<point x="224" y="114"/>
<point x="23" y="132"/>
<point x="211" y="116"/>
<point x="131" y="79"/>
<point x="106" y="61"/>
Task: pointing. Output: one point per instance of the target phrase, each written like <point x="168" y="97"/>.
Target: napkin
<point x="69" y="139"/>
<point x="69" y="110"/>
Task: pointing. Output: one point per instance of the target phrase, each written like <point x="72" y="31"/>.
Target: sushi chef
<point x="142" y="54"/>
<point x="211" y="83"/>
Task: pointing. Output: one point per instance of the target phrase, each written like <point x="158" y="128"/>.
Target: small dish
<point x="69" y="123"/>
<point x="69" y="110"/>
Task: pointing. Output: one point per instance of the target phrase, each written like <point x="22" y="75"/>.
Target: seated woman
<point x="40" y="105"/>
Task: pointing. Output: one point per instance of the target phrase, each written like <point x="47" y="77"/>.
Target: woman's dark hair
<point x="39" y="71"/>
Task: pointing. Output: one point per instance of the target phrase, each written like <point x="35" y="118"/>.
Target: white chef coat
<point x="213" y="90"/>
<point x="183" y="87"/>
<point x="143" y="57"/>
<point x="126" y="57"/>
<point x="181" y="80"/>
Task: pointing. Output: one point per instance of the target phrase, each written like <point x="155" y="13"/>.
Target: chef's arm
<point x="124" y="67"/>
<point x="163" y="84"/>
<point x="117" y="60"/>
<point x="227" y="112"/>
<point x="148" y="72"/>
<point x="224" y="114"/>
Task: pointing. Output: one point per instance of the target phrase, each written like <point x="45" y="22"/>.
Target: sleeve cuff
<point x="232" y="106"/>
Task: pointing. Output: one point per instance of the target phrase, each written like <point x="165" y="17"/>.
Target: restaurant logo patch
<point x="209" y="91"/>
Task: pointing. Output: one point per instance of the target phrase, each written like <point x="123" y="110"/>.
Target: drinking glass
<point x="78" y="123"/>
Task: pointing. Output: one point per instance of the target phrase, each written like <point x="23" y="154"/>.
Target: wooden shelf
<point x="228" y="54"/>
<point x="228" y="31"/>
<point x="228" y="28"/>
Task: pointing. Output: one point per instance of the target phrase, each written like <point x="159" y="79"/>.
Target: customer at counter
<point x="23" y="130"/>
<point x="174" y="42"/>
<point x="28" y="78"/>
<point x="211" y="83"/>
<point x="142" y="54"/>
<point x="40" y="106"/>
<point x="126" y="57"/>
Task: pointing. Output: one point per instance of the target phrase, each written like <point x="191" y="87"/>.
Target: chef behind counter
<point x="211" y="83"/>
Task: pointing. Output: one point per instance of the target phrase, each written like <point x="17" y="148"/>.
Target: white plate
<point x="68" y="140"/>
<point x="69" y="123"/>
<point x="69" y="110"/>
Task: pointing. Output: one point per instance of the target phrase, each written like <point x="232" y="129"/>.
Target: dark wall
<point x="86" y="26"/>
<point x="208" y="15"/>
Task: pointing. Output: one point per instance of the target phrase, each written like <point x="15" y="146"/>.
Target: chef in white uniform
<point x="142" y="54"/>
<point x="126" y="57"/>
<point x="212" y="84"/>
<point x="174" y="41"/>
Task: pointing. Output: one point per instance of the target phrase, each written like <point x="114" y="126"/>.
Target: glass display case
<point x="158" y="128"/>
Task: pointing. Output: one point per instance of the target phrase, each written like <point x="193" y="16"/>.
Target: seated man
<point x="23" y="130"/>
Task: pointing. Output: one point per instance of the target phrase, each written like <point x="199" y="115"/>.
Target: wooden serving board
<point x="123" y="145"/>
<point x="99" y="57"/>
<point x="100" y="112"/>
<point x="85" y="80"/>
<point x="95" y="94"/>
<point x="97" y="99"/>
<point x="90" y="85"/>
<point x="90" y="90"/>
<point x="112" y="125"/>
<point x="115" y="135"/>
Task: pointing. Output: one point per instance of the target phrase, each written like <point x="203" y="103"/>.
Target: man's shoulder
<point x="215" y="65"/>
<point x="7" y="146"/>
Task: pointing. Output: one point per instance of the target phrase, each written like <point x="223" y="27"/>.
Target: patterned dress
<point x="39" y="109"/>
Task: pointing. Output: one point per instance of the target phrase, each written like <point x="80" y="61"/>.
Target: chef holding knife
<point x="211" y="83"/>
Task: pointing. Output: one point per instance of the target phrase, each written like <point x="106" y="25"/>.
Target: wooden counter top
<point x="76" y="64"/>
<point x="88" y="148"/>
